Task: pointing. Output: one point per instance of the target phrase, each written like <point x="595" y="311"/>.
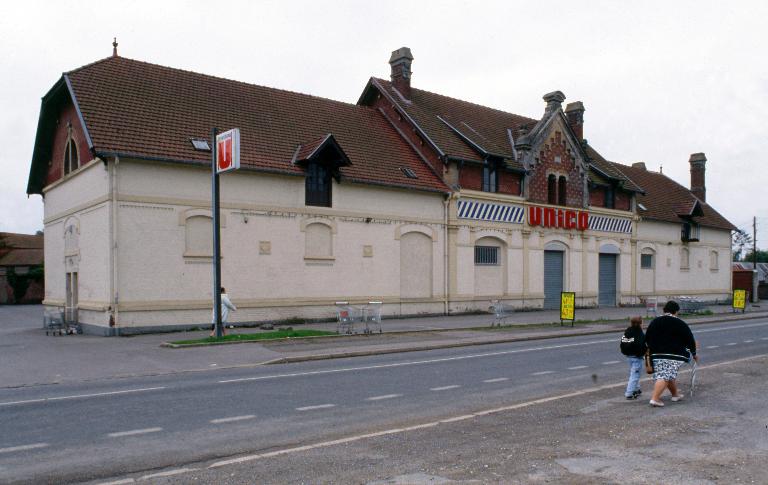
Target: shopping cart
<point x="372" y="314"/>
<point x="347" y="315"/>
<point x="689" y="304"/>
<point x="53" y="322"/>
<point x="500" y="312"/>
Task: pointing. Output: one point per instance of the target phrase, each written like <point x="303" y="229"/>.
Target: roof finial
<point x="114" y="47"/>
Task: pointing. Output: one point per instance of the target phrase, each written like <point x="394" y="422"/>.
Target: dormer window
<point x="321" y="159"/>
<point x="318" y="185"/>
<point x="490" y="177"/>
<point x="71" y="160"/>
<point x="610" y="198"/>
<point x="689" y="232"/>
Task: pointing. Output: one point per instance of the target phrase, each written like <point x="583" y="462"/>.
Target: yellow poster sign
<point x="739" y="299"/>
<point x="568" y="306"/>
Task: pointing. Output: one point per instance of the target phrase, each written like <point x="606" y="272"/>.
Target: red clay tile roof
<point x="664" y="199"/>
<point x="442" y="116"/>
<point x="22" y="257"/>
<point x="139" y="109"/>
<point x="485" y="126"/>
<point x="21" y="241"/>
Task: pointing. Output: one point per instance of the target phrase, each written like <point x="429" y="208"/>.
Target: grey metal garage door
<point x="553" y="278"/>
<point x="607" y="280"/>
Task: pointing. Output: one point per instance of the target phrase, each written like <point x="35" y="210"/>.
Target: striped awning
<point x="488" y="211"/>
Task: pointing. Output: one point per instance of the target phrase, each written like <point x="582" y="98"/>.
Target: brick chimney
<point x="400" y="61"/>
<point x="698" y="187"/>
<point x="575" y="113"/>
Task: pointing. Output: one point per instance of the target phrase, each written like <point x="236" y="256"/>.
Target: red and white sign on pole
<point x="228" y="151"/>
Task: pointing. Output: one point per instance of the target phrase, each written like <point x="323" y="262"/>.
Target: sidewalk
<point x="29" y="357"/>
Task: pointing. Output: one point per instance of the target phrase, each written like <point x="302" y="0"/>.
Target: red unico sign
<point x="558" y="218"/>
<point x="228" y="151"/>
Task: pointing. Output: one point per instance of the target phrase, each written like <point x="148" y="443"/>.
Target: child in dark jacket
<point x="633" y="346"/>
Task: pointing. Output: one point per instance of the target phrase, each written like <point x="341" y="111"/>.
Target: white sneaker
<point x="677" y="398"/>
<point x="656" y="404"/>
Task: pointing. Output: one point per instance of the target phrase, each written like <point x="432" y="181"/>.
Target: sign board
<point x="567" y="306"/>
<point x="228" y="151"/>
<point x="740" y="300"/>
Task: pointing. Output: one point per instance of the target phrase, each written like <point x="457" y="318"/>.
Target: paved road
<point x="83" y="431"/>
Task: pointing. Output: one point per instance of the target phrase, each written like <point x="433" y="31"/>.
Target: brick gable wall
<point x="556" y="147"/>
<point x="67" y="114"/>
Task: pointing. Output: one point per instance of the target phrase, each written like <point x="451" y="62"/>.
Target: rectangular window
<point x="646" y="261"/>
<point x="486" y="255"/>
<point x="490" y="178"/>
<point x="689" y="232"/>
<point x="318" y="186"/>
<point x="610" y="198"/>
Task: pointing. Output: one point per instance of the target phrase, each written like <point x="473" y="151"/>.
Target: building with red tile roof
<point x="428" y="203"/>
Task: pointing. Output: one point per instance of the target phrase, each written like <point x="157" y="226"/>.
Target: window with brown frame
<point x="552" y="189"/>
<point x="71" y="160"/>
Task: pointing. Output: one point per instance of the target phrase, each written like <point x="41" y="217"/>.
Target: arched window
<point x="71" y="160"/>
<point x="713" y="260"/>
<point x="561" y="190"/>
<point x="552" y="189"/>
<point x="685" y="257"/>
<point x="199" y="236"/>
<point x="318" y="241"/>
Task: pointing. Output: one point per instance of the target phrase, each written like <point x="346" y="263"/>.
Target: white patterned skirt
<point x="665" y="369"/>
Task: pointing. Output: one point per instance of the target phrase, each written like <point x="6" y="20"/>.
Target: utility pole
<point x="754" y="243"/>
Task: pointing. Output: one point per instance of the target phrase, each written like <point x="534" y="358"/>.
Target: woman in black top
<point x="670" y="343"/>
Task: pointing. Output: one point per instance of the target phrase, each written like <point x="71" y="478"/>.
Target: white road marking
<point x="763" y="338"/>
<point x="731" y="343"/>
<point x="169" y="473"/>
<point x="319" y="406"/>
<point x="80" y="396"/>
<point x="444" y="388"/>
<point x="577" y="367"/>
<point x="416" y="362"/>
<point x="385" y="396"/>
<point x="325" y="444"/>
<point x="541" y="373"/>
<point x="713" y="346"/>
<point x="463" y="357"/>
<point x="498" y="379"/>
<point x="24" y="447"/>
<point x="134" y="432"/>
<point x="119" y="482"/>
<point x="610" y="362"/>
<point x="233" y="418"/>
<point x="748" y="341"/>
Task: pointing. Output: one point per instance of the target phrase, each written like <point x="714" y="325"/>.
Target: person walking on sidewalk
<point x="633" y="346"/>
<point x="670" y="342"/>
<point x="226" y="306"/>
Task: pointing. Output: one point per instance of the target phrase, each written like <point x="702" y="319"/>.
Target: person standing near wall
<point x="670" y="343"/>
<point x="226" y="306"/>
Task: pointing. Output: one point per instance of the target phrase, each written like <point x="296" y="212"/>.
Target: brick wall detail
<point x="66" y="115"/>
<point x="556" y="158"/>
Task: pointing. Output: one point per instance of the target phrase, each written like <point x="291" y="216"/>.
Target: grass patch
<point x="241" y="337"/>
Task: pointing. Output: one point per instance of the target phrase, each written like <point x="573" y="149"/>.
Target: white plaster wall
<point x="83" y="187"/>
<point x="53" y="236"/>
<point x="263" y="243"/>
<point x="699" y="279"/>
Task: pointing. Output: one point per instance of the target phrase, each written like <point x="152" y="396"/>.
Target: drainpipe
<point x="113" y="245"/>
<point x="446" y="204"/>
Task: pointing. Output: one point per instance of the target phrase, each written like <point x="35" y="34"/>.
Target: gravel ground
<point x="719" y="437"/>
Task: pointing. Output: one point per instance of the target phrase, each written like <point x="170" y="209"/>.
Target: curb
<point x="420" y="348"/>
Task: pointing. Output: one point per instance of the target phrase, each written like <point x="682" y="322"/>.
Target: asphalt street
<point x="115" y="428"/>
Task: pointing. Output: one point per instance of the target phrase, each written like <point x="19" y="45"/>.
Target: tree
<point x="740" y="240"/>
<point x="762" y="257"/>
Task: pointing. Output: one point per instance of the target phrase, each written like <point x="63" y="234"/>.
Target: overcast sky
<point x="659" y="80"/>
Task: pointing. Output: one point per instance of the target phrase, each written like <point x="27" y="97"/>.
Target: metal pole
<point x="216" y="240"/>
